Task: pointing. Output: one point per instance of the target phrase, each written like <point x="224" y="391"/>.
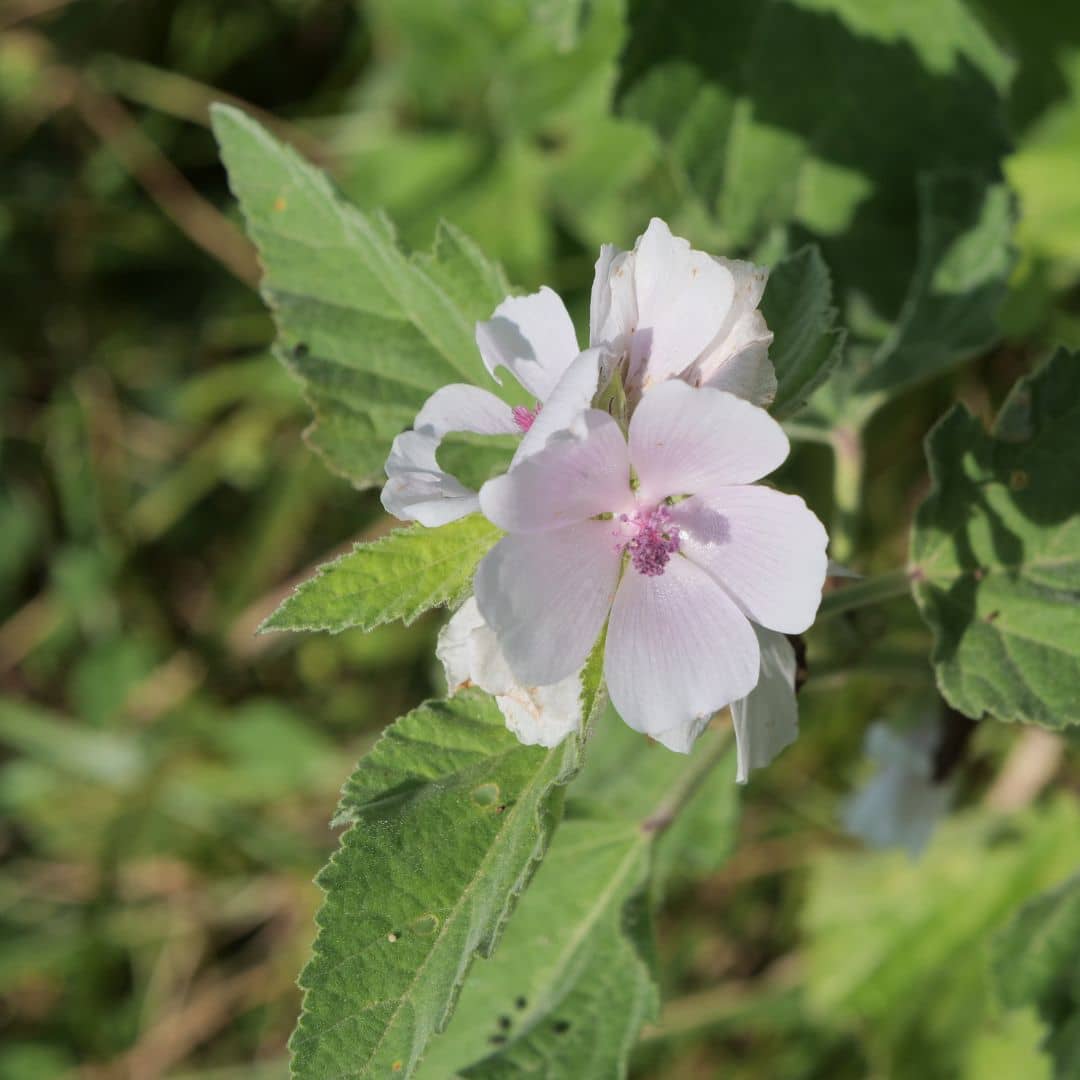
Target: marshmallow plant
<point x="627" y="587"/>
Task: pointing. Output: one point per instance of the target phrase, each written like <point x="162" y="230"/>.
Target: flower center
<point x="525" y="417"/>
<point x="651" y="537"/>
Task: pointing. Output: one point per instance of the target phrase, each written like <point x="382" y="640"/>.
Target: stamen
<point x="525" y="417"/>
<point x="654" y="538"/>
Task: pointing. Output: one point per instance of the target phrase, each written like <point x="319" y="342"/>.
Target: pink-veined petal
<point x="417" y="489"/>
<point x="677" y="650"/>
<point x="683" y="299"/>
<point x="459" y="407"/>
<point x="687" y="441"/>
<point x="546" y="596"/>
<point x="570" y="398"/>
<point x="767" y="719"/>
<point x="581" y="471"/>
<point x="533" y="337"/>
<point x="767" y="549"/>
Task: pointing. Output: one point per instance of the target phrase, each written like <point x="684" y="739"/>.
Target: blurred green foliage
<point x="166" y="776"/>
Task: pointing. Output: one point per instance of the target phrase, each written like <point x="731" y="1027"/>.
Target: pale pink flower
<point x="673" y="312"/>
<point x="664" y="536"/>
<point x="531" y="336"/>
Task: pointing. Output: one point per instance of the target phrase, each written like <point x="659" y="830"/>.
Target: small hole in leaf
<point x="486" y="795"/>
<point x="300" y="350"/>
<point x="561" y="1027"/>
<point x="520" y="1003"/>
<point x="426" y="925"/>
<point x="497" y="1040"/>
<point x="393" y="936"/>
<point x="505" y="1022"/>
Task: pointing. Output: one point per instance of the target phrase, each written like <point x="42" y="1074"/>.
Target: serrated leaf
<point x="803" y="150"/>
<point x="571" y="983"/>
<point x="1036" y="961"/>
<point x="449" y="817"/>
<point x="995" y="553"/>
<point x="807" y="344"/>
<point x="398" y="577"/>
<point x="370" y="331"/>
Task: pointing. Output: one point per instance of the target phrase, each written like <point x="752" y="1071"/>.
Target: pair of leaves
<point x="995" y="552"/>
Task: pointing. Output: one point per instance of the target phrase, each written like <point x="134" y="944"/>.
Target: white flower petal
<point x="581" y="471"/>
<point x="417" y="489"/>
<point x="533" y="337"/>
<point x="901" y="804"/>
<point x="677" y="650"/>
<point x="767" y="719"/>
<point x="613" y="306"/>
<point x="546" y="596"/>
<point x="470" y="655"/>
<point x="460" y="407"/>
<point x="767" y="549"/>
<point x="565" y="404"/>
<point x="686" y="441"/>
<point x="683" y="299"/>
<point x="742" y="367"/>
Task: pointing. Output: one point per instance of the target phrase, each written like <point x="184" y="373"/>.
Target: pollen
<point x="650" y="537"/>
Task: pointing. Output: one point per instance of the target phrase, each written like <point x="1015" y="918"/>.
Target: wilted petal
<point x="417" y="489"/>
<point x="677" y="650"/>
<point x="581" y="471"/>
<point x="767" y="549"/>
<point x="687" y="441"/>
<point x="683" y="298"/>
<point x="533" y="337"/>
<point x="546" y="596"/>
<point x="470" y="655"/>
<point x="767" y="719"/>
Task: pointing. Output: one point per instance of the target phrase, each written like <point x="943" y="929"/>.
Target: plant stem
<point x="847" y="490"/>
<point x="873" y="590"/>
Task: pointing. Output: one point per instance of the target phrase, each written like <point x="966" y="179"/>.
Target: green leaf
<point x="995" y="553"/>
<point x="580" y="944"/>
<point x="881" y="929"/>
<point x="807" y="345"/>
<point x="755" y="102"/>
<point x="960" y="279"/>
<point x="370" y="331"/>
<point x="1036" y="961"/>
<point x="398" y="577"/>
<point x="449" y="817"/>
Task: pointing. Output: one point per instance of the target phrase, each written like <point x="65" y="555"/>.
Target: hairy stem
<point x="874" y="590"/>
<point x="847" y="491"/>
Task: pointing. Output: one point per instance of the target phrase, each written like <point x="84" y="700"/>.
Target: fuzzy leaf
<point x="370" y="331"/>
<point x="807" y="344"/>
<point x="996" y="553"/>
<point x="580" y="944"/>
<point x="398" y="577"/>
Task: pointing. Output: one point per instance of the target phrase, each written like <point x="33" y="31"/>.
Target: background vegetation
<point x="166" y="776"/>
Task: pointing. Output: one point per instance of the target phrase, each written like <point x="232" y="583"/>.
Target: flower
<point x="767" y="719"/>
<point x="531" y="336"/>
<point x="672" y="312"/>
<point x="902" y="803"/>
<point x="663" y="530"/>
<point x="470" y="655"/>
<point x="660" y="311"/>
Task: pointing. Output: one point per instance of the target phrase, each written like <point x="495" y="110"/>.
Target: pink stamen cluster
<point x="654" y="540"/>
<point x="525" y="417"/>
